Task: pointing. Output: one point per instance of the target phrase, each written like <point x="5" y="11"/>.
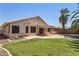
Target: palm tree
<point x="75" y="18"/>
<point x="75" y="25"/>
<point x="64" y="17"/>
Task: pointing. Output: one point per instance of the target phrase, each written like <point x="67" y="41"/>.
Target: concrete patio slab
<point x="45" y="37"/>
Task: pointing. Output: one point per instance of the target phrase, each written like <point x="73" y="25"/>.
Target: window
<point x="33" y="29"/>
<point x="15" y="29"/>
<point x="27" y="28"/>
<point x="49" y="29"/>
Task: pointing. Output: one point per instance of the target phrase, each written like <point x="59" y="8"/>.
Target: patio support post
<point x="29" y="30"/>
<point x="10" y="30"/>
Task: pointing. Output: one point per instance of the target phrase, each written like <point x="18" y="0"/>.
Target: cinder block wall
<point x="65" y="31"/>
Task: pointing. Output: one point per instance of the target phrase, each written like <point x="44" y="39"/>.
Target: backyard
<point x="44" y="47"/>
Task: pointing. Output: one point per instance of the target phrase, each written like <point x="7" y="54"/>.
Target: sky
<point x="49" y="12"/>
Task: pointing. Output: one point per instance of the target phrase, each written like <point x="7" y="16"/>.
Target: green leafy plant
<point x="64" y="17"/>
<point x="75" y="19"/>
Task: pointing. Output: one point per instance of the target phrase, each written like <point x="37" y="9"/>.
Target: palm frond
<point x="75" y="24"/>
<point x="78" y="5"/>
<point x="75" y="11"/>
<point x="74" y="15"/>
<point x="75" y="21"/>
<point x="66" y="10"/>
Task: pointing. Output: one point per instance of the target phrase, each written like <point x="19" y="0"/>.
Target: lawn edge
<point x="6" y="51"/>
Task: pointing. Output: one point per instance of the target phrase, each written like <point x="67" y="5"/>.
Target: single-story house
<point x="26" y="27"/>
<point x="0" y="30"/>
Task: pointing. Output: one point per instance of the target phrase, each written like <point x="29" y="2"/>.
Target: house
<point x="26" y="27"/>
<point x="0" y="30"/>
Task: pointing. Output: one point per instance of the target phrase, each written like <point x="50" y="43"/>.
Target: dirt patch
<point x="3" y="52"/>
<point x="3" y="41"/>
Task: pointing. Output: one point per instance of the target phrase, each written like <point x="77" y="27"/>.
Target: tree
<point x="75" y="25"/>
<point x="64" y="17"/>
<point x="75" y="18"/>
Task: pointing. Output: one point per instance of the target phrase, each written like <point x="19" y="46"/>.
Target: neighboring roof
<point x="23" y="20"/>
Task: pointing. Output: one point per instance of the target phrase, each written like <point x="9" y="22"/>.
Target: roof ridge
<point x="23" y="19"/>
<point x="20" y="20"/>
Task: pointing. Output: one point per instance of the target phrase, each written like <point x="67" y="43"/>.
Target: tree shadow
<point x="74" y="44"/>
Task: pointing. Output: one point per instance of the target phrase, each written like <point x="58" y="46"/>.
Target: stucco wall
<point x="22" y="26"/>
<point x="5" y="30"/>
<point x="0" y="30"/>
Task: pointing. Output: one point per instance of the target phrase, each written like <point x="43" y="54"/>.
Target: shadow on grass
<point x="74" y="44"/>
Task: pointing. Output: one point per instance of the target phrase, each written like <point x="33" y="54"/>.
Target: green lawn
<point x="44" y="47"/>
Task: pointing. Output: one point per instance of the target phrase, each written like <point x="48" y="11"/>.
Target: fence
<point x="65" y="31"/>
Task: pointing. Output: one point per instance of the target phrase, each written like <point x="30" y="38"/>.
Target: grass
<point x="43" y="47"/>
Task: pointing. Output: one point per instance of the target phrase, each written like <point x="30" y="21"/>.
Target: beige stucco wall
<point x="22" y="25"/>
<point x="5" y="30"/>
<point x="1" y="30"/>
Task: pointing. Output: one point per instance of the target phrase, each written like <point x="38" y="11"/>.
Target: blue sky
<point x="48" y="12"/>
